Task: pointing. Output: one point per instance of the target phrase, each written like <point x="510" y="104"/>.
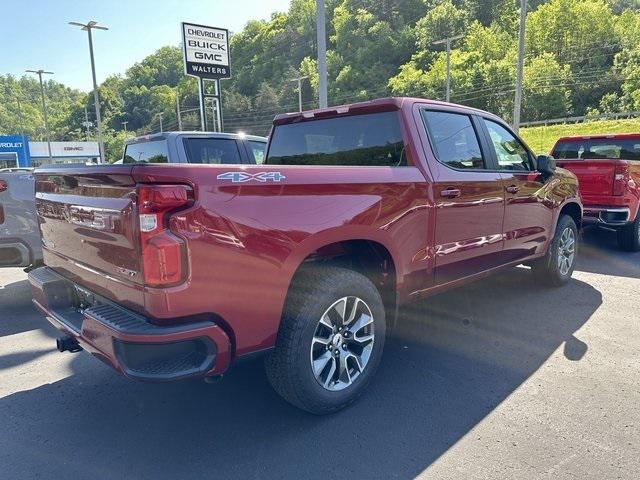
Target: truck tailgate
<point x="87" y="222"/>
<point x="595" y="176"/>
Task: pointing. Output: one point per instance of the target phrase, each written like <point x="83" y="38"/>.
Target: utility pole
<point x="86" y="124"/>
<point x="321" y="34"/>
<point x="517" y="103"/>
<point x="178" y="111"/>
<point x="160" y="115"/>
<point x="447" y="42"/>
<point x="88" y="27"/>
<point x="299" y="80"/>
<point x="44" y="107"/>
<point x="124" y="124"/>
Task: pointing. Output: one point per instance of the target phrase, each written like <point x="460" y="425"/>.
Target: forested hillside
<point x="583" y="57"/>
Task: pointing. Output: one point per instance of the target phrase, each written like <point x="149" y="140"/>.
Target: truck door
<point x="469" y="198"/>
<point x="527" y="217"/>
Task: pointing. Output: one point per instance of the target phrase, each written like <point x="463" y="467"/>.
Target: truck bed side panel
<point x="245" y="240"/>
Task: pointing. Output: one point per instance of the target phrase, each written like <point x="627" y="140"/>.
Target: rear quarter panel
<point x="246" y="240"/>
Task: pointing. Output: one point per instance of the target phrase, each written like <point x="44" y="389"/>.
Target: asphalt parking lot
<point x="498" y="379"/>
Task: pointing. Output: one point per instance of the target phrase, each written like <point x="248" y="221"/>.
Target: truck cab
<point x="195" y="148"/>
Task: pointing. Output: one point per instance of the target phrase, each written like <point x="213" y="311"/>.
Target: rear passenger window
<point x="454" y="139"/>
<point x="212" y="150"/>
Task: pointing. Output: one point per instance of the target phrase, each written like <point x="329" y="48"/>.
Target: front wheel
<point x="330" y="341"/>
<point x="556" y="267"/>
<point x="629" y="236"/>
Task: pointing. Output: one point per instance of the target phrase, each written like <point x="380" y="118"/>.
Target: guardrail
<point x="605" y="116"/>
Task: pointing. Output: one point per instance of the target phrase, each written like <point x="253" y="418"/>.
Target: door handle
<point x="450" y="192"/>
<point x="512" y="189"/>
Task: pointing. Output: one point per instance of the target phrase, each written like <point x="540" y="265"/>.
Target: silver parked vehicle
<point x="20" y="244"/>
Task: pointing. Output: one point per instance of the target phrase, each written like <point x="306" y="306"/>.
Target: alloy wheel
<point x="342" y="343"/>
<point x="566" y="250"/>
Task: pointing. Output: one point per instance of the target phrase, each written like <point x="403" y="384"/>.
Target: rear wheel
<point x="556" y="267"/>
<point x="629" y="236"/>
<point x="330" y="341"/>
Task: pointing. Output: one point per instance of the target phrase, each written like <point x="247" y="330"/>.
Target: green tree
<point x="546" y="89"/>
<point x="444" y="20"/>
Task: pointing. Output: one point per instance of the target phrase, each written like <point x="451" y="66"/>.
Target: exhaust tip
<point x="68" y="344"/>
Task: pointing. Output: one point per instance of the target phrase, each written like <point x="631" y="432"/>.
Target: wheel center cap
<point x="336" y="340"/>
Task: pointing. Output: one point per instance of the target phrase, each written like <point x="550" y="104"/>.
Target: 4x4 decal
<point x="241" y="177"/>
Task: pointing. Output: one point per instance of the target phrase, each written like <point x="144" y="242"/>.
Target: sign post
<point x="206" y="56"/>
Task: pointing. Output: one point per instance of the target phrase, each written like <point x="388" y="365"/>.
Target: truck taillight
<point x="3" y="186"/>
<point x="620" y="178"/>
<point x="163" y="253"/>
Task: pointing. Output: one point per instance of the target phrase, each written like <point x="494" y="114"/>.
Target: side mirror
<point x="546" y="165"/>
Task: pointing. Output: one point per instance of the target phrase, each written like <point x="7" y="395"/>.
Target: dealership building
<point x="18" y="151"/>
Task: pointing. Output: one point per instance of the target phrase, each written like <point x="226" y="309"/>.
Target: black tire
<point x="629" y="236"/>
<point x="547" y="270"/>
<point x="289" y="368"/>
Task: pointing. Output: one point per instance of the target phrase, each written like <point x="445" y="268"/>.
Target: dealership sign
<point x="206" y="51"/>
<point x="14" y="151"/>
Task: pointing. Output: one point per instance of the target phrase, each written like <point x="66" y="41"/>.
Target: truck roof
<point x="620" y="136"/>
<point x="370" y="106"/>
<point x="167" y="135"/>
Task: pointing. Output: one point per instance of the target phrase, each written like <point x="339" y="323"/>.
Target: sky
<point x="35" y="33"/>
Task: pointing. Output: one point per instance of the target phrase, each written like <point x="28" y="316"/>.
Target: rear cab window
<point x="597" y="148"/>
<point x="146" y="152"/>
<point x="372" y="139"/>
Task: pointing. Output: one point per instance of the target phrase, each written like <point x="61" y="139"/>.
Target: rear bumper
<point x="607" y="216"/>
<point x="125" y="340"/>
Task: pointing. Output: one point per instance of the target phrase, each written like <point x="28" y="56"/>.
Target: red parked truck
<point x="608" y="169"/>
<point x="171" y="271"/>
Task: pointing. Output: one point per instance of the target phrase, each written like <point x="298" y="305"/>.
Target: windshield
<point x="598" y="148"/>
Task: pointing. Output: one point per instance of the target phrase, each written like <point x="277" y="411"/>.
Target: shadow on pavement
<point x="14" y="359"/>
<point x="17" y="313"/>
<point x="599" y="253"/>
<point x="454" y="358"/>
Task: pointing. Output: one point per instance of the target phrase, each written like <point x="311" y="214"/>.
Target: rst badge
<point x="242" y="177"/>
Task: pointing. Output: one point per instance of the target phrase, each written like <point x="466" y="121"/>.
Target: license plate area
<point x="83" y="299"/>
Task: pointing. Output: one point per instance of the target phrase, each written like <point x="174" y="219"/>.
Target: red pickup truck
<point x="608" y="169"/>
<point x="172" y="271"/>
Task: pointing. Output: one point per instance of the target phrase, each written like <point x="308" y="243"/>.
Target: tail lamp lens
<point x="3" y="186"/>
<point x="620" y="178"/>
<point x="163" y="253"/>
